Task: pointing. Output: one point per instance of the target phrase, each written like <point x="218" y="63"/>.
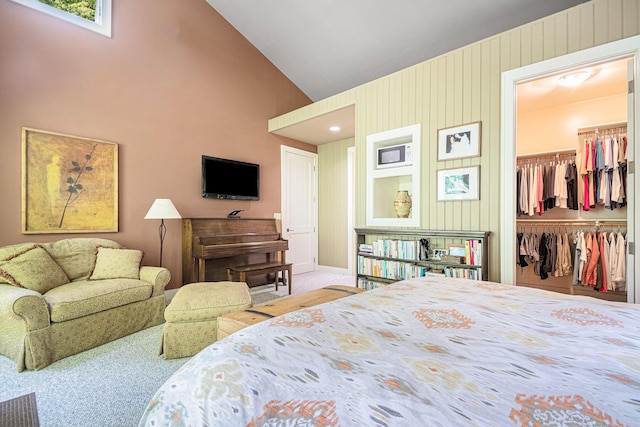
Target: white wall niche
<point x="383" y="183"/>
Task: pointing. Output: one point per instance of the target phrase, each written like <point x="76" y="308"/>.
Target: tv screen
<point x="230" y="179"/>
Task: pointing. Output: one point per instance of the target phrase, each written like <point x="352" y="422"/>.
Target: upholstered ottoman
<point x="191" y="317"/>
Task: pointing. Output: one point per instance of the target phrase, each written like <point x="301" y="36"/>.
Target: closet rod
<point x="597" y="128"/>
<point x="595" y="222"/>
<point x="565" y="152"/>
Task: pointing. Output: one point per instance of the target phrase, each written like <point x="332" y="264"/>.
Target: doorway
<point x="299" y="188"/>
<point x="515" y="79"/>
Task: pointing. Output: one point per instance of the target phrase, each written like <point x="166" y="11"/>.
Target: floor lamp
<point x="162" y="209"/>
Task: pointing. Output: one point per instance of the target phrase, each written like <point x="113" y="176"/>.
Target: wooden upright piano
<point x="211" y="245"/>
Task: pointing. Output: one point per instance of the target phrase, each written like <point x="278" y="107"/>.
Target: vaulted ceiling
<point x="328" y="46"/>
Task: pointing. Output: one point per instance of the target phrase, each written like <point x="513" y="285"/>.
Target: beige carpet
<point x="301" y="283"/>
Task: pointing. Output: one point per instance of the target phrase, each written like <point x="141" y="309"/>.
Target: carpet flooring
<point x="111" y="385"/>
<point x="106" y="386"/>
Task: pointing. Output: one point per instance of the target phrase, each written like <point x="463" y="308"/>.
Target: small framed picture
<point x="459" y="141"/>
<point x="437" y="253"/>
<point x="457" y="250"/>
<point x="458" y="184"/>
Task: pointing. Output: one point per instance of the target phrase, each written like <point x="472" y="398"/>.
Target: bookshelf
<point x="388" y="255"/>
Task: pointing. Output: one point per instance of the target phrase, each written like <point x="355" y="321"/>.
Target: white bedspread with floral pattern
<point x="422" y="352"/>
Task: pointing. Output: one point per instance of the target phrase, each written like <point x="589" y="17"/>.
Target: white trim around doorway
<point x="629" y="47"/>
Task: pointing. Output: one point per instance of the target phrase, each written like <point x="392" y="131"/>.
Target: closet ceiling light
<point x="334" y="128"/>
<point x="573" y="79"/>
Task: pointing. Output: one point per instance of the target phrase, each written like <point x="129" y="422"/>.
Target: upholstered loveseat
<point x="65" y="297"/>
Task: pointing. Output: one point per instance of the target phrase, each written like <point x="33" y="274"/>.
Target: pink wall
<point x="174" y="82"/>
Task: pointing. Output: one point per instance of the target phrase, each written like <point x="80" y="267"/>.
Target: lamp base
<point x="162" y="231"/>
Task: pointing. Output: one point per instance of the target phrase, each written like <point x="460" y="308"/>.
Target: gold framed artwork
<point x="69" y="184"/>
<point x="461" y="141"/>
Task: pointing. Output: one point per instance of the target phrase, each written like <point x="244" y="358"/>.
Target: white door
<point x="300" y="207"/>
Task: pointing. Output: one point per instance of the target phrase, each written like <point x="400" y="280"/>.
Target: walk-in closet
<point x="571" y="173"/>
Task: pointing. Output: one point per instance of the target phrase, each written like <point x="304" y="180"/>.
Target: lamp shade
<point x="162" y="209"/>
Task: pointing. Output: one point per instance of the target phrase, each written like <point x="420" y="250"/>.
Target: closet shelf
<point x="600" y="222"/>
<point x="547" y="154"/>
<point x="622" y="126"/>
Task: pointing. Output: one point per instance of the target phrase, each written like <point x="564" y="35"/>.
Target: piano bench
<point x="242" y="271"/>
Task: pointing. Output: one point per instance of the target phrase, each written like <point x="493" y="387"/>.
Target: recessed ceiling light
<point x="573" y="79"/>
<point x="334" y="128"/>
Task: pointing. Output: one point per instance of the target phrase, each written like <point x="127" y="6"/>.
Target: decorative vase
<point x="402" y="204"/>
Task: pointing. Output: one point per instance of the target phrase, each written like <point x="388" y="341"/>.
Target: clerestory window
<point x="91" y="14"/>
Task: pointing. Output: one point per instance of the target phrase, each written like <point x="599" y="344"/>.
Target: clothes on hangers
<point x="594" y="259"/>
<point x="541" y="187"/>
<point x="604" y="171"/>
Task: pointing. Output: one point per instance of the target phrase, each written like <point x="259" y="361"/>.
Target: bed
<point x="429" y="351"/>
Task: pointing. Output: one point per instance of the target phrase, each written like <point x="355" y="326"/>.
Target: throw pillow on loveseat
<point x="64" y="297"/>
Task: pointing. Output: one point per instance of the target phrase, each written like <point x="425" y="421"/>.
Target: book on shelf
<point x="473" y="252"/>
<point x="363" y="248"/>
<point x="464" y="273"/>
<point x="389" y="269"/>
<point x="401" y="249"/>
<point x="367" y="284"/>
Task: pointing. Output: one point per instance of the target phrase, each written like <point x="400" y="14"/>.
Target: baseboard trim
<point x="333" y="270"/>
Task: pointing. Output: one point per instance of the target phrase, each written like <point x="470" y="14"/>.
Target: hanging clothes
<point x="604" y="256"/>
<point x="593" y="259"/>
<point x="620" y="270"/>
<point x="547" y="183"/>
<point x="578" y="258"/>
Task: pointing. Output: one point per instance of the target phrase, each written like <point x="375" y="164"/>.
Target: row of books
<point x="367" y="284"/>
<point x="464" y="273"/>
<point x="473" y="252"/>
<point x="390" y="269"/>
<point x="398" y="270"/>
<point x="410" y="250"/>
<point x="401" y="249"/>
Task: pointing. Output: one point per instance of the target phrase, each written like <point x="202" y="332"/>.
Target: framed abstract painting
<point x="69" y="184"/>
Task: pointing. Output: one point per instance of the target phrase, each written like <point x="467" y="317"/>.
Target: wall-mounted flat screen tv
<point x="230" y="179"/>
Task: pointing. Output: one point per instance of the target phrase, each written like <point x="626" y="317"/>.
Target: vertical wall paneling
<point x="549" y="37"/>
<point x="491" y="157"/>
<point x="615" y="20"/>
<point x="525" y="45"/>
<point x="601" y="18"/>
<point x="476" y="82"/>
<point x="561" y="39"/>
<point x="629" y="18"/>
<point x="537" y="42"/>
<point x="458" y="99"/>
<point x="466" y="85"/>
<point x="587" y="30"/>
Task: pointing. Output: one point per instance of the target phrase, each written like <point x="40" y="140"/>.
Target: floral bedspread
<point x="422" y="352"/>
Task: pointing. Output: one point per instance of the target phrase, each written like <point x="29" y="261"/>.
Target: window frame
<point x="101" y="25"/>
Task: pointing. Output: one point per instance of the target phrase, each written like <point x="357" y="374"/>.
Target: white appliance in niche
<point x="393" y="164"/>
